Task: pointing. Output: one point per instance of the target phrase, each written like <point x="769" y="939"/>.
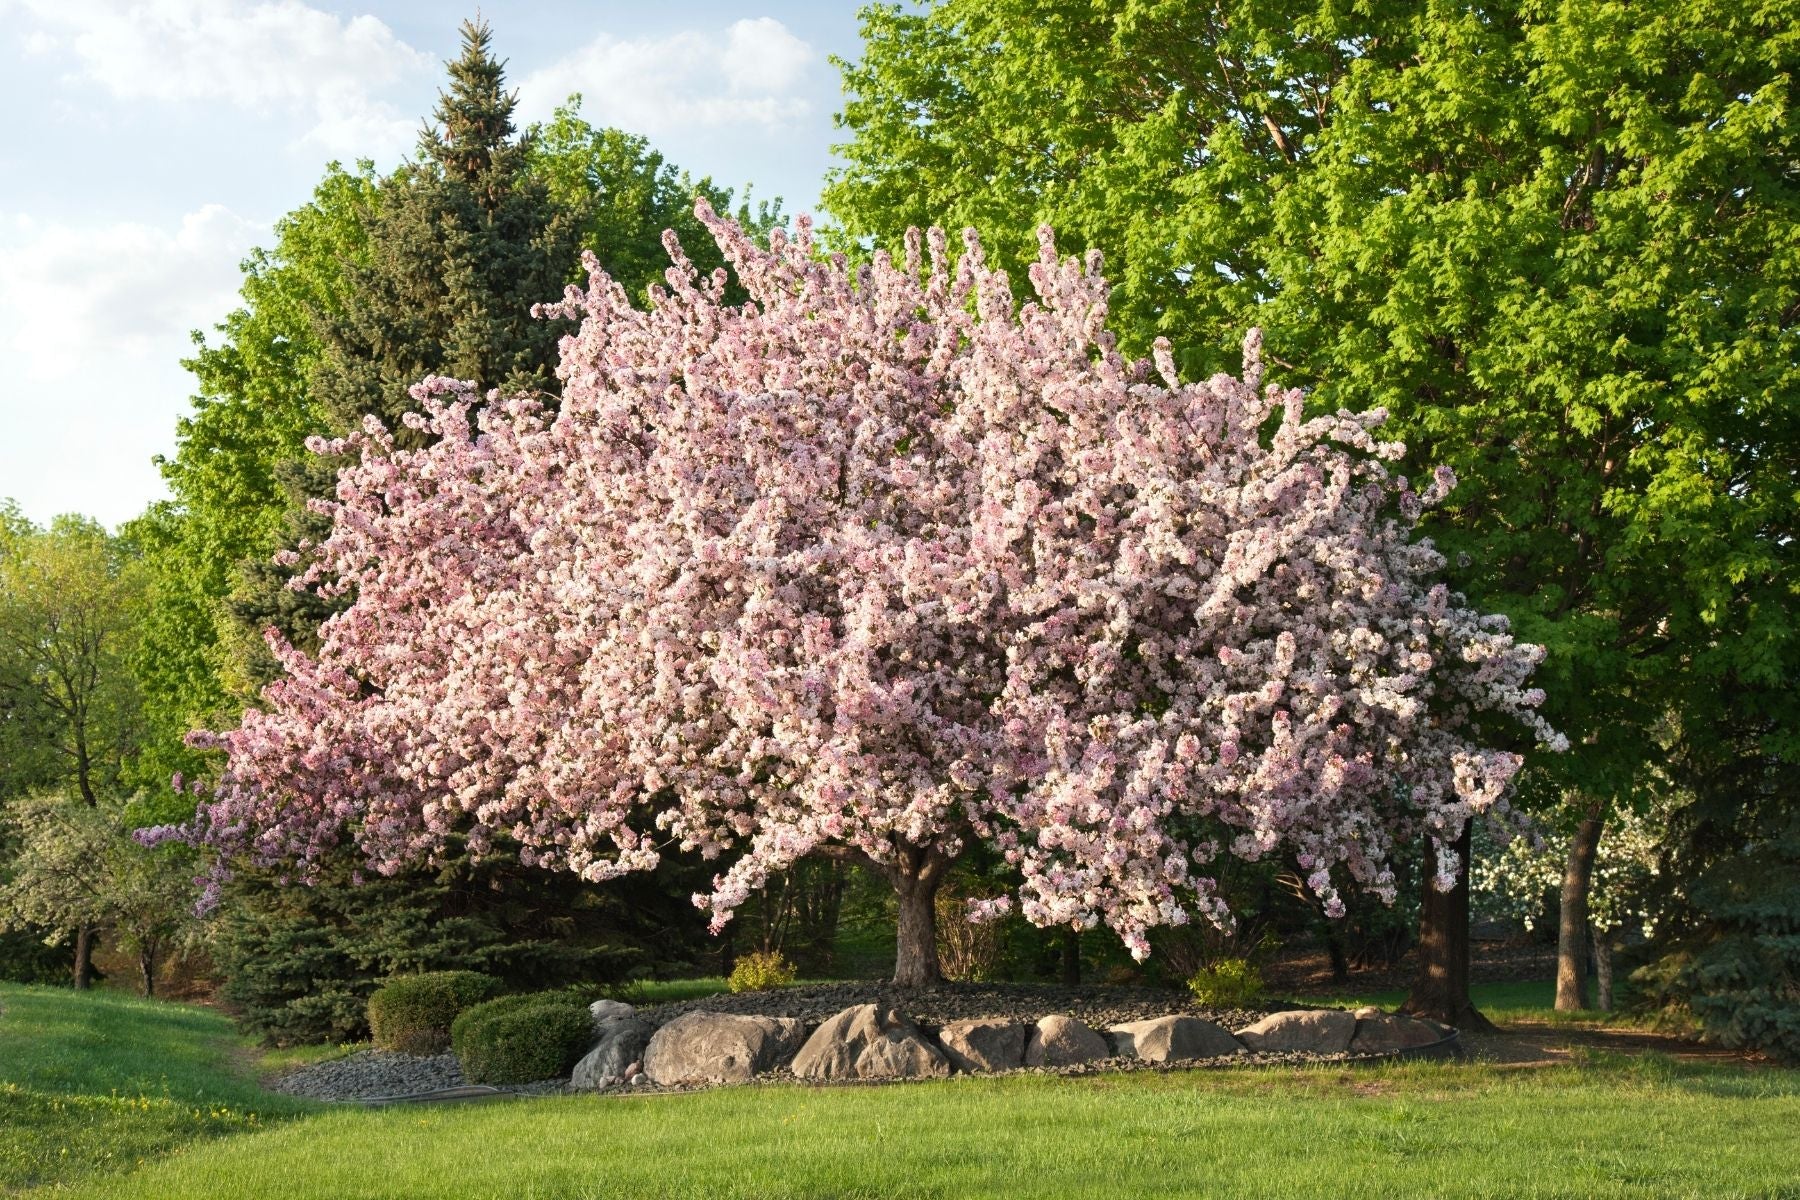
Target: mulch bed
<point x="1099" y="1006"/>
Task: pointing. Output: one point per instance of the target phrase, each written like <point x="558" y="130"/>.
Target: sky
<point x="151" y="144"/>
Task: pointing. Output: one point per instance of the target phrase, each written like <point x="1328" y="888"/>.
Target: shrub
<point x="967" y="951"/>
<point x="1228" y="983"/>
<point x="519" y="1039"/>
<point x="759" y="971"/>
<point x="411" y="1014"/>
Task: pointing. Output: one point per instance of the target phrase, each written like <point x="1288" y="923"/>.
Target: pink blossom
<point x="885" y="562"/>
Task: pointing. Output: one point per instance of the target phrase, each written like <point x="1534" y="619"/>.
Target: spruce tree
<point x="461" y="243"/>
<point x="467" y="240"/>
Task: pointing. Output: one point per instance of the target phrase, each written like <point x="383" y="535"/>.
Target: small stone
<point x="1170" y="1039"/>
<point x="983" y="1045"/>
<point x="640" y="1079"/>
<point x="1059" y="1041"/>
<point x="1312" y="1031"/>
<point x="634" y="1069"/>
<point x="869" y="1042"/>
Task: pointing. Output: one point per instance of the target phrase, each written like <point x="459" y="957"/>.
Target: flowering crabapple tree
<point x="871" y="566"/>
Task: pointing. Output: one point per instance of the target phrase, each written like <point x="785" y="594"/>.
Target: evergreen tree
<point x="466" y="241"/>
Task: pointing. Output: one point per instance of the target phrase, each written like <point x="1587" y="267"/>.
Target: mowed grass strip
<point x="103" y="1082"/>
<point x="1616" y="1128"/>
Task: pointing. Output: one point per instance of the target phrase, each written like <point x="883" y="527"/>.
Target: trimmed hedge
<point x="412" y="1014"/>
<point x="521" y="1039"/>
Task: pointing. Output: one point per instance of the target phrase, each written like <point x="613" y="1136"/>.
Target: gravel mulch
<point x="934" y="1007"/>
<point x="378" y="1074"/>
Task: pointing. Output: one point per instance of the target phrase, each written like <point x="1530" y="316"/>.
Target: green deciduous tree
<point x="234" y="476"/>
<point x="70" y="713"/>
<point x="1560" y="243"/>
<point x="69" y="601"/>
<point x="78" y="871"/>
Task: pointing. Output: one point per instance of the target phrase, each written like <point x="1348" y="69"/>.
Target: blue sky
<point x="153" y="142"/>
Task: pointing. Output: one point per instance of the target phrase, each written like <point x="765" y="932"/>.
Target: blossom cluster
<point x="883" y="561"/>
<point x="1520" y="880"/>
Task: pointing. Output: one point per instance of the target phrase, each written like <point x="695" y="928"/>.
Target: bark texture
<point x="1603" y="970"/>
<point x="84" y="958"/>
<point x="1440" y="989"/>
<point x="915" y="953"/>
<point x="1572" y="922"/>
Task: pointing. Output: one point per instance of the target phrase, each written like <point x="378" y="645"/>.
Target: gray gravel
<point x="933" y="1007"/>
<point x="377" y="1074"/>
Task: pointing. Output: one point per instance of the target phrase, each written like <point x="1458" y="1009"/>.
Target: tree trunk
<point x="1440" y="990"/>
<point x="84" y="958"/>
<point x="1603" y="973"/>
<point x="916" y="954"/>
<point x="1572" y="924"/>
<point x="147" y="967"/>
<point x="1071" y="958"/>
<point x="1334" y="949"/>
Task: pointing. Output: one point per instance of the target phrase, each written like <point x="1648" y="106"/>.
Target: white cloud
<point x="132" y="289"/>
<point x="751" y="73"/>
<point x="280" y="55"/>
<point x="94" y="321"/>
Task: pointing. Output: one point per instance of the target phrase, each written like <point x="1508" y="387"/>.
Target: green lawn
<point x="1607" y="1126"/>
<point x="104" y="1081"/>
<point x="1530" y="1002"/>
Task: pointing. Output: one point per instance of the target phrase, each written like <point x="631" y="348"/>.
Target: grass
<point x="111" y="1097"/>
<point x="1530" y="1002"/>
<point x="1617" y="1128"/>
<point x="105" y="1081"/>
<point x="644" y="992"/>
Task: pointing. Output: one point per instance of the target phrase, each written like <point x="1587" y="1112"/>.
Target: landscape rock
<point x="1388" y="1033"/>
<point x="1170" y="1039"/>
<point x="869" y="1041"/>
<point x="615" y="1057"/>
<point x="1059" y="1041"/>
<point x="705" y="1047"/>
<point x="1313" y="1031"/>
<point x="606" y="1012"/>
<point x="983" y="1045"/>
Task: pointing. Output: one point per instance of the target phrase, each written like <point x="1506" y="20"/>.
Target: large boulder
<point x="702" y="1047"/>
<point x="1389" y="1033"/>
<point x="1059" y="1041"/>
<point x="869" y="1042"/>
<point x="987" y="1045"/>
<point x="621" y="1044"/>
<point x="1169" y="1039"/>
<point x="1311" y="1031"/>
